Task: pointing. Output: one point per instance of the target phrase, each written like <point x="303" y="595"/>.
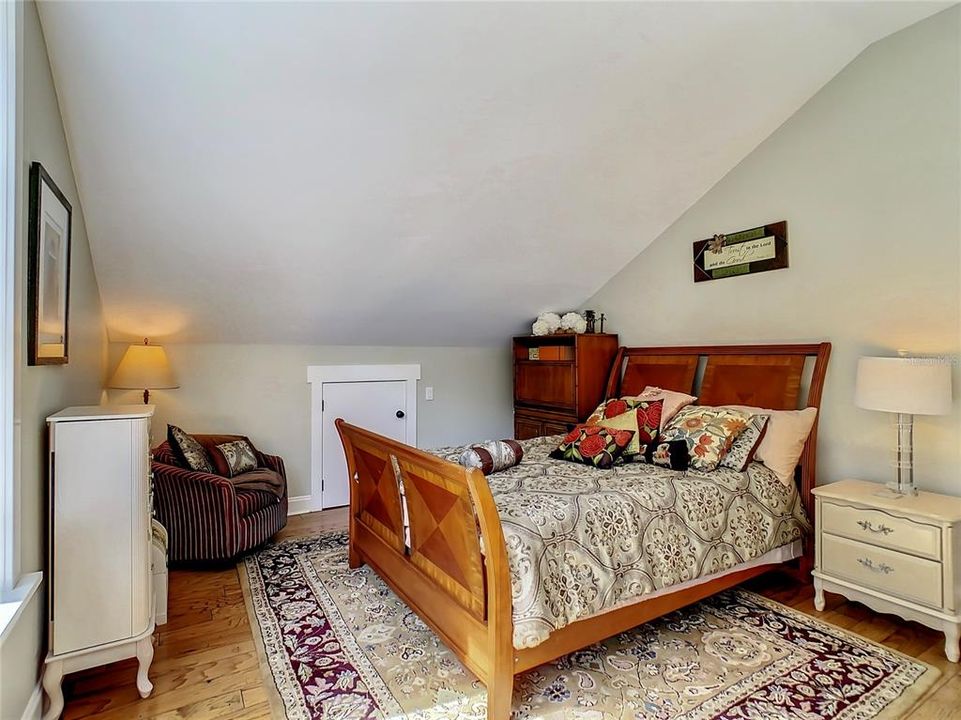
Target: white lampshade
<point x="913" y="386"/>
<point x="144" y="367"/>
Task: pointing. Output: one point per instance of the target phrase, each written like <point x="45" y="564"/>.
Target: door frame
<point x="317" y="375"/>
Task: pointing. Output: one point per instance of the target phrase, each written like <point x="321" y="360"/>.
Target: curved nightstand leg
<point x="818" y="595"/>
<point x="144" y="658"/>
<point x="952" y="636"/>
<point x="52" y="677"/>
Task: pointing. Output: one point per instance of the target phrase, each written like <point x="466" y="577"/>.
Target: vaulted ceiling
<point x="361" y="173"/>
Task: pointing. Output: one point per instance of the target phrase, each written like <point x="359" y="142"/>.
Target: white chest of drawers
<point x="894" y="554"/>
<point x="100" y="596"/>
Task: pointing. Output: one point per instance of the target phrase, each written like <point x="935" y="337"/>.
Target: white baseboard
<point x="299" y="505"/>
<point x="34" y="704"/>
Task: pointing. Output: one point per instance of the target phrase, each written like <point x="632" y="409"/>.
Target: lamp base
<point x="892" y="491"/>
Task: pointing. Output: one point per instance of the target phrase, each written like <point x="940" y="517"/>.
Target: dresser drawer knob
<point x="882" y="568"/>
<point x="881" y="529"/>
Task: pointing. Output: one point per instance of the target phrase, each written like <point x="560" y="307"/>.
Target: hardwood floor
<point x="205" y="666"/>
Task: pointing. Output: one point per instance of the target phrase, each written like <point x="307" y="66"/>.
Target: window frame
<point x="11" y="20"/>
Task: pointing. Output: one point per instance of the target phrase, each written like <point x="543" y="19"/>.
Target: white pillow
<point x="673" y="401"/>
<point x="783" y="441"/>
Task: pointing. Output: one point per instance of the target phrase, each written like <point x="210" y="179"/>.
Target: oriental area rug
<point x="338" y="644"/>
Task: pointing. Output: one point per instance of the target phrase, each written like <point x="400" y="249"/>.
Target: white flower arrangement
<point x="552" y="319"/>
<point x="574" y="322"/>
<point x="546" y="324"/>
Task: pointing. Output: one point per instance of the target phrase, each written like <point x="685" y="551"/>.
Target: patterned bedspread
<point x="581" y="541"/>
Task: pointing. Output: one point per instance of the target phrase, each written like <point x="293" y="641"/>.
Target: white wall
<point x="43" y="390"/>
<point x="262" y="391"/>
<point x="867" y="176"/>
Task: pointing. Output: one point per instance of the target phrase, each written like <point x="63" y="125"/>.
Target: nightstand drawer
<point x="894" y="573"/>
<point x="879" y="528"/>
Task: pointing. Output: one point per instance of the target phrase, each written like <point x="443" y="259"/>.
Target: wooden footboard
<point x="462" y="593"/>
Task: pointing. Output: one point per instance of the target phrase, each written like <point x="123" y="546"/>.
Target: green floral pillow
<point x="708" y="431"/>
<point x="593" y="445"/>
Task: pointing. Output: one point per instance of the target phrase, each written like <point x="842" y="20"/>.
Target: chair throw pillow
<point x="708" y="431"/>
<point x="742" y="451"/>
<point x="593" y="445"/>
<point x="643" y="421"/>
<point x="239" y="456"/>
<point x="493" y="456"/>
<point x="190" y="452"/>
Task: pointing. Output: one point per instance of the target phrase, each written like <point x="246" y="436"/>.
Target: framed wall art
<point x="748" y="251"/>
<point x="48" y="278"/>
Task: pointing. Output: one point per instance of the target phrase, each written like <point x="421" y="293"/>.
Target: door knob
<point x="400" y="413"/>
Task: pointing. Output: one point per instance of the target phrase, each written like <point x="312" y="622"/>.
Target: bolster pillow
<point x="493" y="456"/>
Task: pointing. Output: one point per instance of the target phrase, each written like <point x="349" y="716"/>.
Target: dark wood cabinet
<point x="558" y="380"/>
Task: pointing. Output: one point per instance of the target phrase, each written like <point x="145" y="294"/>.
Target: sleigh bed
<point x="447" y="541"/>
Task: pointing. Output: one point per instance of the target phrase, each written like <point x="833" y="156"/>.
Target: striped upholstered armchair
<point x="206" y="516"/>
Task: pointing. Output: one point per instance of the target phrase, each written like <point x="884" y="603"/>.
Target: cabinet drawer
<point x="555" y="427"/>
<point x="544" y="384"/>
<point x="527" y="428"/>
<point x="894" y="573"/>
<point x="881" y="529"/>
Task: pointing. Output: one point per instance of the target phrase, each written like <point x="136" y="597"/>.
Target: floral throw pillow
<point x="709" y="433"/>
<point x="742" y="451"/>
<point x="240" y="456"/>
<point x="618" y="406"/>
<point x="673" y="401"/>
<point x="643" y="421"/>
<point x="593" y="445"/>
<point x="190" y="452"/>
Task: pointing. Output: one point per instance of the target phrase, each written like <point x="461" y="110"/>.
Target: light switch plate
<point x="428" y="393"/>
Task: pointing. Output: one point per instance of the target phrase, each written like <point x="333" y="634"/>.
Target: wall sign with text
<point x="741" y="253"/>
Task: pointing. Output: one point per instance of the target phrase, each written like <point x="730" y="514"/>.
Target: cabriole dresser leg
<point x="952" y="640"/>
<point x="818" y="595"/>
<point x="144" y="658"/>
<point x="52" y="677"/>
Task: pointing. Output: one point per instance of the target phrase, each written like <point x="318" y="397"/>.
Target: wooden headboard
<point x="766" y="376"/>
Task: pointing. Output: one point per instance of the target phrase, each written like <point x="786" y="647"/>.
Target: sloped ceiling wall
<point x="422" y="174"/>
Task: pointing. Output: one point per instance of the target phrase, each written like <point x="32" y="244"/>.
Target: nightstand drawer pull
<point x="882" y="528"/>
<point x="882" y="568"/>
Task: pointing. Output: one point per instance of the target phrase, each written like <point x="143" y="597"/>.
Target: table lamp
<point x="907" y="386"/>
<point x="144" y="367"/>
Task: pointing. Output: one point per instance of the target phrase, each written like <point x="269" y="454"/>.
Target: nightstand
<point x="896" y="555"/>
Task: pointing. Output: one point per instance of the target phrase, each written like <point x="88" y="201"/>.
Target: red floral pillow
<point x="649" y="411"/>
<point x="643" y="420"/>
<point x="593" y="445"/>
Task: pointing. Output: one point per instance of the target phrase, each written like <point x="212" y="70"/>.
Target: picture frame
<point x="745" y="252"/>
<point x="48" y="276"/>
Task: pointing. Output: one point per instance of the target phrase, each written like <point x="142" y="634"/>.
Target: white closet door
<point x="377" y="406"/>
<point x="91" y="532"/>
